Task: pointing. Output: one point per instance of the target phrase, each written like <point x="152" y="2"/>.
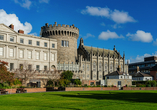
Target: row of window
<point x="29" y="54"/>
<point x="143" y="65"/>
<point x="29" y="67"/>
<point x="65" y="43"/>
<point x="29" y="41"/>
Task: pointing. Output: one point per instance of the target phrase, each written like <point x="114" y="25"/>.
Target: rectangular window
<point x="11" y="39"/>
<point x="21" y="53"/>
<point x="1" y="51"/>
<point x="37" y="67"/>
<point x="11" y="66"/>
<point x="1" y="37"/>
<point x="21" y="41"/>
<point x="38" y="43"/>
<point x="45" y="68"/>
<point x="53" y="45"/>
<point x="29" y="67"/>
<point x="29" y="54"/>
<point x="30" y="42"/>
<point x="37" y="55"/>
<point x="45" y="56"/>
<point x="67" y="43"/>
<point x="53" y="57"/>
<point x="45" y="44"/>
<point x="21" y="67"/>
<point x="63" y="43"/>
<point x="11" y="52"/>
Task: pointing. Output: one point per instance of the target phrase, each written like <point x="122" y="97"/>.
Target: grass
<point x="81" y="100"/>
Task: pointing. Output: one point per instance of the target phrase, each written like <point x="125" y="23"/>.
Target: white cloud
<point x="34" y="34"/>
<point x="155" y="42"/>
<point x="102" y="24"/>
<point x="141" y="36"/>
<point x="115" y="26"/>
<point x="121" y="17"/>
<point x="88" y="35"/>
<point x="8" y="19"/>
<point x="24" y="3"/>
<point x="109" y="35"/>
<point x="96" y="11"/>
<point x="44" y="1"/>
<point x="116" y="15"/>
<point x="141" y="58"/>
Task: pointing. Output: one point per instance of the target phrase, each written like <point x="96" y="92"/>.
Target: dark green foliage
<point x="50" y="83"/>
<point x="77" y="82"/>
<point x="67" y="75"/>
<point x="16" y="81"/>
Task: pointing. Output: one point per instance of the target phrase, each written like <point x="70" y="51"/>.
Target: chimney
<point x="138" y="69"/>
<point x="12" y="26"/>
<point x="20" y="31"/>
<point x="119" y="68"/>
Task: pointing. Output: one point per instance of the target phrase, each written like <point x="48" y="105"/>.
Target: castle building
<point x="57" y="48"/>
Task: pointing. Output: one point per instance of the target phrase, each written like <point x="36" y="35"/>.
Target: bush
<point x="16" y="81"/>
<point x="141" y="85"/>
<point x="77" y="82"/>
<point x="85" y="85"/>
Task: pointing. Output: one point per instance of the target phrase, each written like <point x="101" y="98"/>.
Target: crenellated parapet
<point x="65" y="30"/>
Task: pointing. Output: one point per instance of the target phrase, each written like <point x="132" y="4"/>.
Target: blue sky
<point x="130" y="25"/>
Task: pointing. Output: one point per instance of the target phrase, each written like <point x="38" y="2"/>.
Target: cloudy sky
<point x="130" y="25"/>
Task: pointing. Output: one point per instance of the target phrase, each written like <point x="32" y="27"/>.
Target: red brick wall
<point x="12" y="91"/>
<point x="89" y="88"/>
<point x="139" y="88"/>
<point x="88" y="82"/>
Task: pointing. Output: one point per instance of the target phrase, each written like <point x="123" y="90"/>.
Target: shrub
<point x="85" y="85"/>
<point x="77" y="82"/>
<point x="16" y="81"/>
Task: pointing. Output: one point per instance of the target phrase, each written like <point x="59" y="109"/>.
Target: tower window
<point x="65" y="43"/>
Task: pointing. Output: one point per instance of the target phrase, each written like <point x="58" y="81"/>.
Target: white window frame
<point x="29" y="42"/>
<point x="53" y="57"/>
<point x="29" y="54"/>
<point x="37" y="55"/>
<point x="21" y="54"/>
<point x="45" y="56"/>
<point x="53" y="45"/>
<point x="1" y="37"/>
<point x="21" y="39"/>
<point x="11" y="52"/>
<point x="11" y="38"/>
<point x="1" y="51"/>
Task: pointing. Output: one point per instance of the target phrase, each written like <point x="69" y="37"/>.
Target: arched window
<point x="111" y="67"/>
<point x="100" y="66"/>
<point x="94" y="66"/>
<point x="83" y="67"/>
<point x="105" y="66"/>
<point x="87" y="67"/>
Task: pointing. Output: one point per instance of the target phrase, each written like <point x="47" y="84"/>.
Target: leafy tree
<point x="5" y="76"/>
<point x="77" y="82"/>
<point x="67" y="75"/>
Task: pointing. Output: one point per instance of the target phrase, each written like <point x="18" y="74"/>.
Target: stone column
<point x="108" y="61"/>
<point x="97" y="64"/>
<point x="91" y="64"/>
<point x="6" y="51"/>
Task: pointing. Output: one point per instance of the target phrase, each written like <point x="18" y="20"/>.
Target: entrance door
<point x="11" y="66"/>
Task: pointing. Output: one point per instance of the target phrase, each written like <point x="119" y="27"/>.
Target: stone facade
<point x="66" y="41"/>
<point x="17" y="48"/>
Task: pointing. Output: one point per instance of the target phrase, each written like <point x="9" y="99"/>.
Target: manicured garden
<point x="82" y="100"/>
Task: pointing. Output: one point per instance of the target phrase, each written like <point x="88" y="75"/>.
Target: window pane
<point x="45" y="56"/>
<point x="53" y="45"/>
<point x="45" y="44"/>
<point x="29" y="54"/>
<point x="1" y="37"/>
<point x="11" y="52"/>
<point x="30" y="42"/>
<point x="37" y="55"/>
<point x="37" y="67"/>
<point x="38" y="43"/>
<point x="67" y="43"/>
<point x="63" y="43"/>
<point x="12" y="39"/>
<point x="21" y="53"/>
<point x="53" y="57"/>
<point x="21" y="41"/>
<point x="1" y="51"/>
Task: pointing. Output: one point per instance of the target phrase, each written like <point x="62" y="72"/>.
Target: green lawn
<point x="84" y="100"/>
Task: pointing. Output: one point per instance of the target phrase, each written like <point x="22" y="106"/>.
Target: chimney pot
<point x="20" y="31"/>
<point x="12" y="26"/>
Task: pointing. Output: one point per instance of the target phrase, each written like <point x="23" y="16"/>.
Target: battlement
<point x="59" y="29"/>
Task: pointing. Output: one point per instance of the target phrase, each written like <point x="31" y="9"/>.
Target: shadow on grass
<point x="133" y="97"/>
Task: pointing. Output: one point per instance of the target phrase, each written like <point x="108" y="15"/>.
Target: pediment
<point x="6" y="28"/>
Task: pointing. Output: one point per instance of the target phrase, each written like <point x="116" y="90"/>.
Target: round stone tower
<point x="66" y="40"/>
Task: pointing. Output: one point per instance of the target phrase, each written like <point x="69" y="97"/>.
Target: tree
<point x="77" y="82"/>
<point x="5" y="76"/>
<point x="67" y="75"/>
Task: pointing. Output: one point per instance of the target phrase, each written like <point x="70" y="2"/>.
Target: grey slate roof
<point x="115" y="73"/>
<point x="139" y="74"/>
<point x="88" y="49"/>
